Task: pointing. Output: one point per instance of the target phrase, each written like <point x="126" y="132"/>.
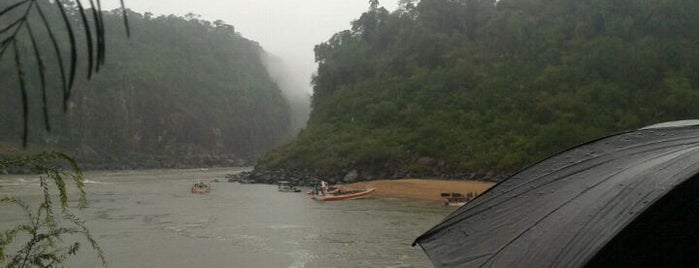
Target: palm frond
<point x="13" y="6"/>
<point x="10" y="26"/>
<point x="23" y="89"/>
<point x="126" y="19"/>
<point x="19" y="23"/>
<point x="88" y="40"/>
<point x="42" y="76"/>
<point x="73" y="49"/>
<point x="101" y="46"/>
<point x="57" y="51"/>
<point x="18" y="15"/>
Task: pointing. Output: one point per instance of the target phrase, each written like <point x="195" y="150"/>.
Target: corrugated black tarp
<point x="586" y="206"/>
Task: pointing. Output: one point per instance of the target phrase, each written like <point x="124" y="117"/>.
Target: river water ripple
<point x="149" y="219"/>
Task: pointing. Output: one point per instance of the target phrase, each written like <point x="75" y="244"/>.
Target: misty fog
<point x="286" y="30"/>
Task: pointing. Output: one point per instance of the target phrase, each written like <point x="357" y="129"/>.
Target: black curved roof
<point x="565" y="210"/>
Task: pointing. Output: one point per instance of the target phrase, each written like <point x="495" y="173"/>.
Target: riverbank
<point x="423" y="189"/>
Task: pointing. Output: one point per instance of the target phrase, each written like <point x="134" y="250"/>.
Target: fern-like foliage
<point x="46" y="229"/>
<point x="16" y="27"/>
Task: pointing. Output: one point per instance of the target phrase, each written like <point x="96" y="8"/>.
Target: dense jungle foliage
<point x="460" y="86"/>
<point x="180" y="91"/>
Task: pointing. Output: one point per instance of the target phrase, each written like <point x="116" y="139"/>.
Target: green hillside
<point x="179" y="92"/>
<point x="473" y="88"/>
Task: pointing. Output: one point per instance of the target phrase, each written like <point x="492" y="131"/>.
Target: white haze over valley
<point x="288" y="30"/>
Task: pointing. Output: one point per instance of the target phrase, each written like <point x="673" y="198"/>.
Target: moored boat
<point x="333" y="189"/>
<point x="321" y="193"/>
<point x="343" y="195"/>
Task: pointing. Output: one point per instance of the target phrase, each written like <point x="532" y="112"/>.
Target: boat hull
<point x="347" y="196"/>
<point x="196" y="190"/>
<point x="454" y="203"/>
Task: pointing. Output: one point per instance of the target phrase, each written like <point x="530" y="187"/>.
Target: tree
<point x="492" y="86"/>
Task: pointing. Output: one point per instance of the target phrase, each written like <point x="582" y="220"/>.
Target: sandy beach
<point x="425" y="189"/>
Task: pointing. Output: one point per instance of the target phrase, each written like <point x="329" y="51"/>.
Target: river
<point x="150" y="219"/>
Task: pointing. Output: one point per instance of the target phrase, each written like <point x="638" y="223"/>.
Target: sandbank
<point x="424" y="189"/>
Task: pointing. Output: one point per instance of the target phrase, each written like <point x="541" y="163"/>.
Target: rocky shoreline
<point x="305" y="177"/>
<point x="146" y="162"/>
<point x="161" y="162"/>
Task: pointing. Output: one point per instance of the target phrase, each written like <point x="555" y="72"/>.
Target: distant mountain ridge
<point x="180" y="92"/>
<point x="482" y="88"/>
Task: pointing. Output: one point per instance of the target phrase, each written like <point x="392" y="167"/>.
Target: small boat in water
<point x="200" y="188"/>
<point x="321" y="193"/>
<point x="456" y="199"/>
<point x="285" y="186"/>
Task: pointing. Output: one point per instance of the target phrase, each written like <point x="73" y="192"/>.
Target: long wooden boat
<point x="342" y="195"/>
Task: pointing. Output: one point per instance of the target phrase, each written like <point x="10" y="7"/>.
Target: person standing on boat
<point x="320" y="189"/>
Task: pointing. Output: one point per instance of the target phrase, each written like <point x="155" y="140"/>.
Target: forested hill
<point x="479" y="88"/>
<point x="180" y="92"/>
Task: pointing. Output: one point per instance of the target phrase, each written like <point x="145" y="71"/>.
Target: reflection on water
<point x="149" y="219"/>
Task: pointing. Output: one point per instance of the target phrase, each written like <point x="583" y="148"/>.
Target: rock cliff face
<point x="180" y="92"/>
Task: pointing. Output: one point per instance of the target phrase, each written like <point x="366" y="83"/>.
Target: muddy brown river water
<point x="150" y="219"/>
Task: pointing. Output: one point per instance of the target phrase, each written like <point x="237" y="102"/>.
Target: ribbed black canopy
<point x="631" y="193"/>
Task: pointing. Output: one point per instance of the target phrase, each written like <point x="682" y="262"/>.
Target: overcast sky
<point x="286" y="28"/>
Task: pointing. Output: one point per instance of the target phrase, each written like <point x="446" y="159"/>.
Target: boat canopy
<point x="630" y="199"/>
